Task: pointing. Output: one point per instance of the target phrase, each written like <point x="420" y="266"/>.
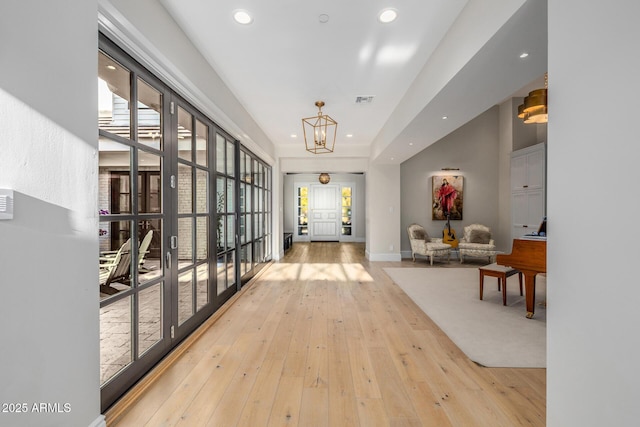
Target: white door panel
<point x="325" y="212"/>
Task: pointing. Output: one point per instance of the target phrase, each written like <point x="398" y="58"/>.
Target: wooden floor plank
<point x="325" y="338"/>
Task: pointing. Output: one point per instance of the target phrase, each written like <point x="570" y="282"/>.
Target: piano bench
<point x="502" y="273"/>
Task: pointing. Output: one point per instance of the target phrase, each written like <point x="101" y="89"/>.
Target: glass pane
<point x="149" y="115"/>
<point x="243" y="237"/>
<point x="230" y="158"/>
<point x="202" y="232"/>
<point x="268" y="243"/>
<point x="114" y="182"/>
<point x="255" y="173"/>
<point x="202" y="146"/>
<point x="149" y="252"/>
<point x="220" y="206"/>
<point x="185" y="127"/>
<point x="185" y="242"/>
<point x="243" y="166"/>
<point x="115" y="257"/>
<point x="243" y="191"/>
<point x="149" y="317"/>
<point x="221" y="273"/>
<point x="243" y="260"/>
<point x="149" y="183"/>
<point x="202" y="178"/>
<point x="220" y="195"/>
<point x="231" y="270"/>
<point x="249" y="257"/>
<point x="230" y="195"/>
<point x="114" y="94"/>
<point x="112" y="235"/>
<point x="185" y="296"/>
<point x="248" y="226"/>
<point x="247" y="199"/>
<point x="115" y="338"/>
<point x="185" y="186"/>
<point x="202" y="277"/>
<point x="231" y="232"/>
<point x="220" y="153"/>
<point x="259" y="250"/>
<point x="220" y="232"/>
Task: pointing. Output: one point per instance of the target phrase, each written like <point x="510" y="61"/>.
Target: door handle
<point x="167" y="260"/>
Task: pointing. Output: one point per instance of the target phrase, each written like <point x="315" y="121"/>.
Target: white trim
<point x="383" y="257"/>
<point x="405" y="254"/>
<point x="99" y="422"/>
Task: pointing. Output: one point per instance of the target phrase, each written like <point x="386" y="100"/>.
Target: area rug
<point x="489" y="333"/>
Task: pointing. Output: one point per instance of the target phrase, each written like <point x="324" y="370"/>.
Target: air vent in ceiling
<point x="364" y="99"/>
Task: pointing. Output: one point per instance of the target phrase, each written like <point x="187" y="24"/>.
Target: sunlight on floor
<point x="353" y="272"/>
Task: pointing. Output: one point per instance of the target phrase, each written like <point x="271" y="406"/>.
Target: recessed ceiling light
<point x="524" y="55"/>
<point x="444" y="117"/>
<point x="293" y="135"/>
<point x="349" y="135"/>
<point x="323" y="18"/>
<point x="242" y="17"/>
<point x="411" y="143"/>
<point x="387" y="15"/>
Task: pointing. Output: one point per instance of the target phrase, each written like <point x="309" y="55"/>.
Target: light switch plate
<point x="6" y="204"/>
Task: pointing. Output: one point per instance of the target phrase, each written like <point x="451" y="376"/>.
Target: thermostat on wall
<point x="6" y="204"/>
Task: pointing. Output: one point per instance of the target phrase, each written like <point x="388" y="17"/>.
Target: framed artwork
<point x="446" y="196"/>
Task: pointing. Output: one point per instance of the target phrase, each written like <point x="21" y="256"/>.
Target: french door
<point x="161" y="273"/>
<point x="324" y="212"/>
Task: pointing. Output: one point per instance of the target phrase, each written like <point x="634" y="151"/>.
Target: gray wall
<point x="481" y="149"/>
<point x="474" y="149"/>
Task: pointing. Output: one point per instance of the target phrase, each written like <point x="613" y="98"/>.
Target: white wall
<point x="473" y="149"/>
<point x="593" y="175"/>
<point x="383" y="213"/>
<point x="48" y="252"/>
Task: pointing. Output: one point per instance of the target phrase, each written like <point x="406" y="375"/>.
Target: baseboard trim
<point x="118" y="409"/>
<point x="99" y="422"/>
<point x="383" y="257"/>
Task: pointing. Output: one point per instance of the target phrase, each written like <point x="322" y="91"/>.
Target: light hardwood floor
<point x="325" y="338"/>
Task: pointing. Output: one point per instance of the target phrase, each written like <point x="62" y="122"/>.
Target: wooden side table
<point x="502" y="273"/>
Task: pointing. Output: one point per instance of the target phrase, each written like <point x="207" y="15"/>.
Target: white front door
<point x="324" y="219"/>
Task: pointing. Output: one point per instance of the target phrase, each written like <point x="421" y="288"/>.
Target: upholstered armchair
<point x="422" y="244"/>
<point x="477" y="242"/>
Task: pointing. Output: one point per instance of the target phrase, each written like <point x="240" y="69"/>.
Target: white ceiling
<point x="440" y="57"/>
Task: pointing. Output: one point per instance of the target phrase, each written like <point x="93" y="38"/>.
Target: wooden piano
<point x="530" y="257"/>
